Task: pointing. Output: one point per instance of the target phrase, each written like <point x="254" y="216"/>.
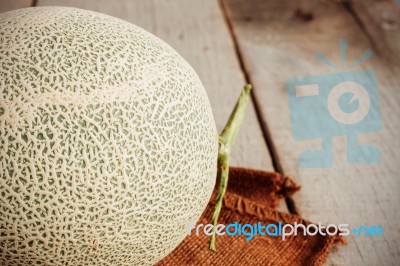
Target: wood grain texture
<point x="278" y="40"/>
<point x="7" y="5"/>
<point x="380" y="19"/>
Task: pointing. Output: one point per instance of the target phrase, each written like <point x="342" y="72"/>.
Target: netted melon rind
<point x="108" y="144"/>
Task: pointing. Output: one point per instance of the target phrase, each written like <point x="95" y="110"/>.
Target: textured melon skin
<point x="108" y="144"/>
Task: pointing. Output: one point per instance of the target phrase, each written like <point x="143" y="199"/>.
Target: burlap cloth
<point x="252" y="196"/>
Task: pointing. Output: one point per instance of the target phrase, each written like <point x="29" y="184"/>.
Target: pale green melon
<point x="108" y="144"/>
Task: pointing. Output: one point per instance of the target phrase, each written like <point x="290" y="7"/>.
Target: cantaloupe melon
<point x="108" y="144"/>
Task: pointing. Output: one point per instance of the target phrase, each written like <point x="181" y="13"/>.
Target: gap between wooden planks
<point x="278" y="41"/>
<point x="380" y="20"/>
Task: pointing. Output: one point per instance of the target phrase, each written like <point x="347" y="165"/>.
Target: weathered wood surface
<point x="278" y="40"/>
<point x="381" y="22"/>
<point x="7" y="5"/>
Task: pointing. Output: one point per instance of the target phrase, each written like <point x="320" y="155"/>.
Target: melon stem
<point x="226" y="140"/>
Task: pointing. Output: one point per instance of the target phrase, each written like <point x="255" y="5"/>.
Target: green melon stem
<point x="226" y="140"/>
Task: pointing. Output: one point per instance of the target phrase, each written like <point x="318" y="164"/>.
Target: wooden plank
<point x="7" y="5"/>
<point x="381" y="22"/>
<point x="278" y="41"/>
<point x="197" y="31"/>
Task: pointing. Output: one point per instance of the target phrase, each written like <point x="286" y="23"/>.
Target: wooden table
<point x="266" y="43"/>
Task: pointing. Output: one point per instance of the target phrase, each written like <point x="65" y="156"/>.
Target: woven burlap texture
<point x="252" y="197"/>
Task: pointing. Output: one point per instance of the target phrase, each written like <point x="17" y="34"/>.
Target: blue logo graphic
<point x="343" y="103"/>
